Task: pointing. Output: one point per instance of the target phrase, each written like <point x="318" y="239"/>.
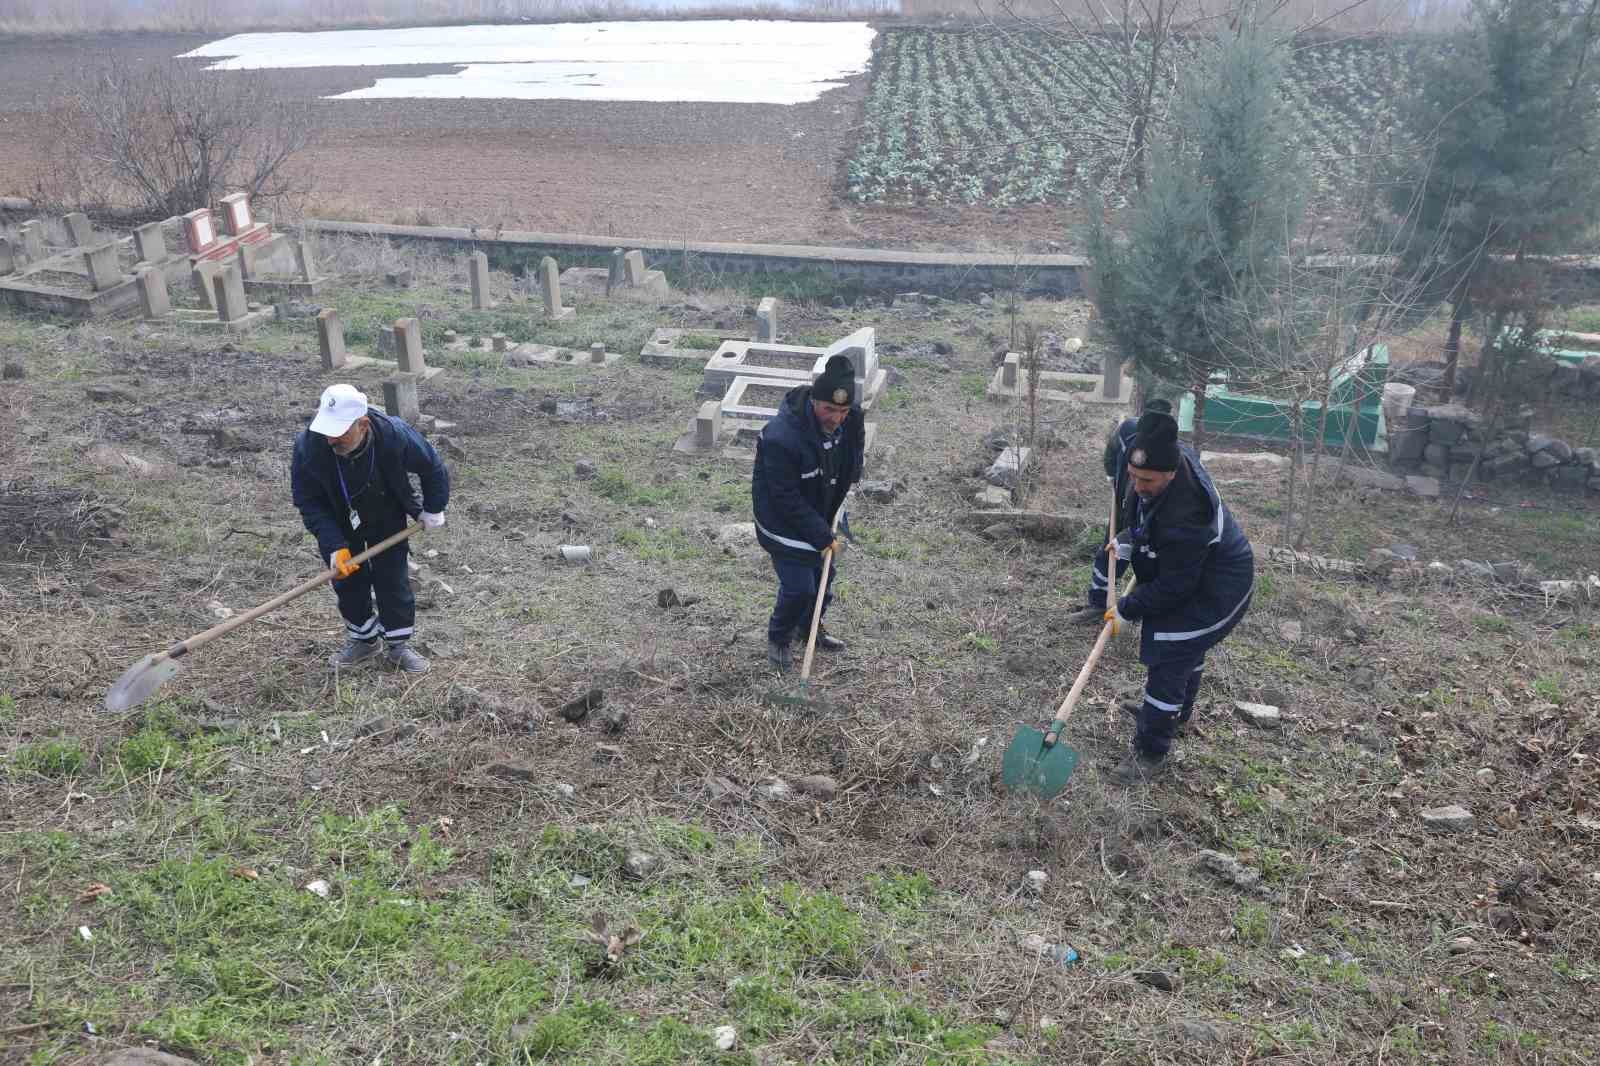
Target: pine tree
<point x="1503" y="119"/>
<point x="1212" y="221"/>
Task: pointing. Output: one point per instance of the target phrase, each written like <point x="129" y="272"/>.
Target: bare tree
<point x="172" y="138"/>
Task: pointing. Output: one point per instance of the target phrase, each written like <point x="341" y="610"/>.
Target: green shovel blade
<point x="1029" y="764"/>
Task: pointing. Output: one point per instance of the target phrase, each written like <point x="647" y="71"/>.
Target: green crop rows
<point x="989" y="117"/>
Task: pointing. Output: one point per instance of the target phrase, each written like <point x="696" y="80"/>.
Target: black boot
<point x="827" y="643"/>
<point x="778" y="655"/>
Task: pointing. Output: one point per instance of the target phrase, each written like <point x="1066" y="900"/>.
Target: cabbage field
<point x="988" y="117"/>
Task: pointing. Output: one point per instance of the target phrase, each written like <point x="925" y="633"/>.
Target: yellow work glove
<point x="1115" y="619"/>
<point x="341" y="562"/>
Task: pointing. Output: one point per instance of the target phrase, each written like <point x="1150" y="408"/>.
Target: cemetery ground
<point x="271" y="864"/>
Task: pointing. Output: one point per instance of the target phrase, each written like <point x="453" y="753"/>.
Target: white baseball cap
<point x="338" y="410"/>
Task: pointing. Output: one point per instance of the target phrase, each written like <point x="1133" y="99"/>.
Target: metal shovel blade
<point x="1029" y="764"/>
<point x="140" y="681"/>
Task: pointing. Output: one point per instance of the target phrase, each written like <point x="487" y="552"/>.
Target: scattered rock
<point x="1289" y="629"/>
<point x="1447" y="819"/>
<point x="1166" y="982"/>
<point x="385" y="729"/>
<point x="1230" y="869"/>
<point x="737" y="536"/>
<point x="1544" y="461"/>
<point x="1511" y="572"/>
<point x="216" y="609"/>
<point x="1200" y="1032"/>
<point x="584" y="470"/>
<point x="519" y="772"/>
<point x="143" y="1056"/>
<point x="565" y="791"/>
<point x="1008" y="466"/>
<point x="640" y="865"/>
<point x="992" y="496"/>
<point x="450" y="448"/>
<point x="880" y="491"/>
<point x="1363" y="679"/>
<point x="1485" y="777"/>
<point x="605" y="753"/>
<point x="577" y="710"/>
<point x="319" y="888"/>
<point x="1260" y="715"/>
<point x="668" y="598"/>
<point x="1426" y="487"/>
<point x="1036" y="880"/>
<point x="110" y="458"/>
<point x="1469" y="568"/>
<point x="612" y="723"/>
<point x="725" y="1037"/>
<point x="108" y="394"/>
<point x="775" y="789"/>
<point x="818" y="786"/>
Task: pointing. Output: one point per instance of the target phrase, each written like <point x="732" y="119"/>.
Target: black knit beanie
<point x="837" y="382"/>
<point x="1163" y="406"/>
<point x="1155" y="442"/>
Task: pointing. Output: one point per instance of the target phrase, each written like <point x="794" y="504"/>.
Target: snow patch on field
<point x="712" y="61"/>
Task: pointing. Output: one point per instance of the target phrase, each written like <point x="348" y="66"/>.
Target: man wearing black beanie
<point x="806" y="460"/>
<point x="1195" y="572"/>
<point x="1116" y="462"/>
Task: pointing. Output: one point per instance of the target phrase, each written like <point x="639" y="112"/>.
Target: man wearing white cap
<point x="350" y="479"/>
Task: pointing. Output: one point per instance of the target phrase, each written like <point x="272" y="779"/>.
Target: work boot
<point x="1087" y="616"/>
<point x="827" y="643"/>
<point x="778" y="655"/>
<point x="1132" y="704"/>
<point x="355" y="651"/>
<point x="1138" y="769"/>
<point x="404" y="657"/>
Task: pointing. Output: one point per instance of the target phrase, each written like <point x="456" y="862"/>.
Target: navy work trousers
<point x="797" y="597"/>
<point x="384" y="579"/>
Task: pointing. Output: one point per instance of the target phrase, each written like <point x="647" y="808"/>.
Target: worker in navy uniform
<point x="1116" y="461"/>
<point x="351" y="483"/>
<point x="806" y="460"/>
<point x="1195" y="572"/>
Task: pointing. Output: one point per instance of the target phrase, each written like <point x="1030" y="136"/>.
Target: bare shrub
<point x="172" y="138"/>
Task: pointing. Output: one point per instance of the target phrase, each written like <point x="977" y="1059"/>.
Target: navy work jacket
<point x="1194" y="566"/>
<point x="801" y="477"/>
<point x="401" y="450"/>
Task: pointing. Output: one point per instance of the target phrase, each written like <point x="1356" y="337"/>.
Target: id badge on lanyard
<point x="372" y="461"/>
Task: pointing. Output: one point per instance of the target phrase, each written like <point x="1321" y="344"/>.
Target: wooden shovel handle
<point x="184" y="647"/>
<point x="1071" y="701"/>
<point x="816" y="610"/>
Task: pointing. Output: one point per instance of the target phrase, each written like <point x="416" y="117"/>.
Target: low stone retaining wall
<point x="1443" y="441"/>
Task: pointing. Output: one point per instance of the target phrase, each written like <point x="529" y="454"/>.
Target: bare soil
<point x="699" y="172"/>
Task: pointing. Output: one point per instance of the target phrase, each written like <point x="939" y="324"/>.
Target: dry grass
<point x="908" y="886"/>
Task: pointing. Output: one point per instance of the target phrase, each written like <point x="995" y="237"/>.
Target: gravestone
<point x="1110" y="377"/>
<point x="597" y="353"/>
<point x="150" y="243"/>
<point x="861" y="349"/>
<point x="8" y="257"/>
<point x="550" y="286"/>
<point x="1010" y="374"/>
<point x="201" y="276"/>
<point x="767" y="320"/>
<point x="304" y="265"/>
<point x="330" y="338"/>
<point x="244" y="260"/>
<point x="104" y="271"/>
<point x="708" y="425"/>
<point x="408" y="346"/>
<point x="229" y="288"/>
<point x="397" y="279"/>
<point x="478" y="276"/>
<point x="153" y="299"/>
<point x="199" y="231"/>
<point x="633" y="268"/>
<point x="79" y="229"/>
<point x="400" y="398"/>
<point x="615" y="276"/>
<point x="32" y="235"/>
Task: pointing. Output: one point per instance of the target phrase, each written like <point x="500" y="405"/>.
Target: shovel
<point x="780" y="697"/>
<point x="141" y="680"/>
<point x="1036" y="760"/>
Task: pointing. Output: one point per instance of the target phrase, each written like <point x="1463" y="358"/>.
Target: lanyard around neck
<point x="372" y="461"/>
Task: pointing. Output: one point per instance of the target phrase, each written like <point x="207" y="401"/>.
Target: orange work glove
<point x="1115" y="619"/>
<point x="341" y="562"/>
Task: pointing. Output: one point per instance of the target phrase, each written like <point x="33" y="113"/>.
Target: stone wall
<point x="1442" y="442"/>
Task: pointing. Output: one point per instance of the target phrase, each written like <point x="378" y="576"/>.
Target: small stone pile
<point x="1443" y="441"/>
